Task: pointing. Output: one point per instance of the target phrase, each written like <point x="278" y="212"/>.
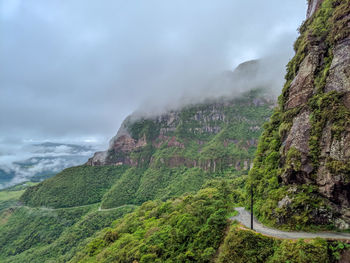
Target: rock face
<point x="313" y="6"/>
<point x="212" y="136"/>
<point x="218" y="135"/>
<point x="312" y="126"/>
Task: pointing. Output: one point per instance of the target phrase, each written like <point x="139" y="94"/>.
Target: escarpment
<point x="211" y="136"/>
<point x="308" y="137"/>
<point x="214" y="136"/>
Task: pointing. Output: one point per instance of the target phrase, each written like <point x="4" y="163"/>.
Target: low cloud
<point x="73" y="70"/>
<point x="22" y="162"/>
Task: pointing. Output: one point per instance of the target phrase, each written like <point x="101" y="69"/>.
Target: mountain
<point x="170" y="156"/>
<point x="301" y="171"/>
<point x="163" y="156"/>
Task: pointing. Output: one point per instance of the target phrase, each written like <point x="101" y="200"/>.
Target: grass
<point x="10" y="195"/>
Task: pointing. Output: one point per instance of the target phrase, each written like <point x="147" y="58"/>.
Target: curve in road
<point x="244" y="218"/>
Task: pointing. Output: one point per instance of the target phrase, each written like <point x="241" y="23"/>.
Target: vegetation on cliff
<point x="286" y="167"/>
<point x="164" y="157"/>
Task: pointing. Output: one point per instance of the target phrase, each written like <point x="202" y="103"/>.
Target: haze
<point x="71" y="71"/>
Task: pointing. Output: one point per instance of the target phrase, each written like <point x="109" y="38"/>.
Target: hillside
<point x="163" y="156"/>
<point x="151" y="158"/>
<point x="301" y="171"/>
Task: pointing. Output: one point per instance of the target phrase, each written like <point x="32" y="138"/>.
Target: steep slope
<point x="164" y="156"/>
<point x="44" y="235"/>
<point x="186" y="137"/>
<point x="301" y="171"/>
<point x="195" y="228"/>
<point x="154" y="157"/>
<point x="75" y="186"/>
<point x="187" y="229"/>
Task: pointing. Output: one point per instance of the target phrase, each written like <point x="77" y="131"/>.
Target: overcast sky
<point x="72" y="70"/>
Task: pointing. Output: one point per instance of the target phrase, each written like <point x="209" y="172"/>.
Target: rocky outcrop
<point x="309" y="139"/>
<point x="314" y="5"/>
<point x="214" y="136"/>
<point x="339" y="73"/>
<point x="302" y="86"/>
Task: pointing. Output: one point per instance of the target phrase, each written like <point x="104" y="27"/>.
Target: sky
<point x="72" y="70"/>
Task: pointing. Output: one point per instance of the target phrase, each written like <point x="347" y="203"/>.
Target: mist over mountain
<point x="78" y="68"/>
<point x="35" y="162"/>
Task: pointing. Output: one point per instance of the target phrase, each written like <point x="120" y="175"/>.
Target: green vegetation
<point x="245" y="246"/>
<point x="324" y="30"/>
<point x="76" y="186"/>
<point x="10" y="196"/>
<point x="186" y="179"/>
<point x="123" y="191"/>
<point x="186" y="229"/>
<point x="207" y="141"/>
<point x="145" y="127"/>
<point x="190" y="227"/>
<point x="37" y="235"/>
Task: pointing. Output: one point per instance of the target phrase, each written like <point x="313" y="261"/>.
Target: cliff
<point x="167" y="155"/>
<point x="187" y="137"/>
<point x="307" y="142"/>
<point x="212" y="135"/>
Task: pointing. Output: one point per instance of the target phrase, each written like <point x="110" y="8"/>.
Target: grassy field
<point x="10" y="195"/>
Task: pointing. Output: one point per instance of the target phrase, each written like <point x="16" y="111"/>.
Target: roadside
<point x="244" y="218"/>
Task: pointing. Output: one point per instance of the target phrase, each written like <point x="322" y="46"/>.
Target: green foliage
<point x="246" y="246"/>
<point x="340" y="20"/>
<point x="42" y="235"/>
<point x="336" y="248"/>
<point x="302" y="252"/>
<point x="143" y="155"/>
<point x="144" y="127"/>
<point x="327" y="108"/>
<point x="187" y="229"/>
<point x="137" y="185"/>
<point x="324" y="30"/>
<point x="123" y="191"/>
<point x="293" y="160"/>
<point x="339" y="167"/>
<point x="76" y="186"/>
<point x="27" y="228"/>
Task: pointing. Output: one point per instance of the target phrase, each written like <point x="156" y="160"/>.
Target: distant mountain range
<point x="46" y="159"/>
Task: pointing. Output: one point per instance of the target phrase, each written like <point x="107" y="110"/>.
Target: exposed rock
<point x="302" y="86"/>
<point x="325" y="182"/>
<point x="141" y="137"/>
<point x="174" y="143"/>
<point x="341" y="224"/>
<point x="313" y="6"/>
<point x="298" y="138"/>
<point x="299" y="134"/>
<point x="99" y="158"/>
<point x="340" y="148"/>
<point x="245" y="165"/>
<point x="315" y="148"/>
<point x="339" y="73"/>
<point x="124" y="144"/>
<point x="285" y="202"/>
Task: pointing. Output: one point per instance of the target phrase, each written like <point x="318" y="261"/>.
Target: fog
<point x="71" y="71"/>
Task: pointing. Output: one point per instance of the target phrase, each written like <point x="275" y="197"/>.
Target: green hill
<point x="75" y="186"/>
